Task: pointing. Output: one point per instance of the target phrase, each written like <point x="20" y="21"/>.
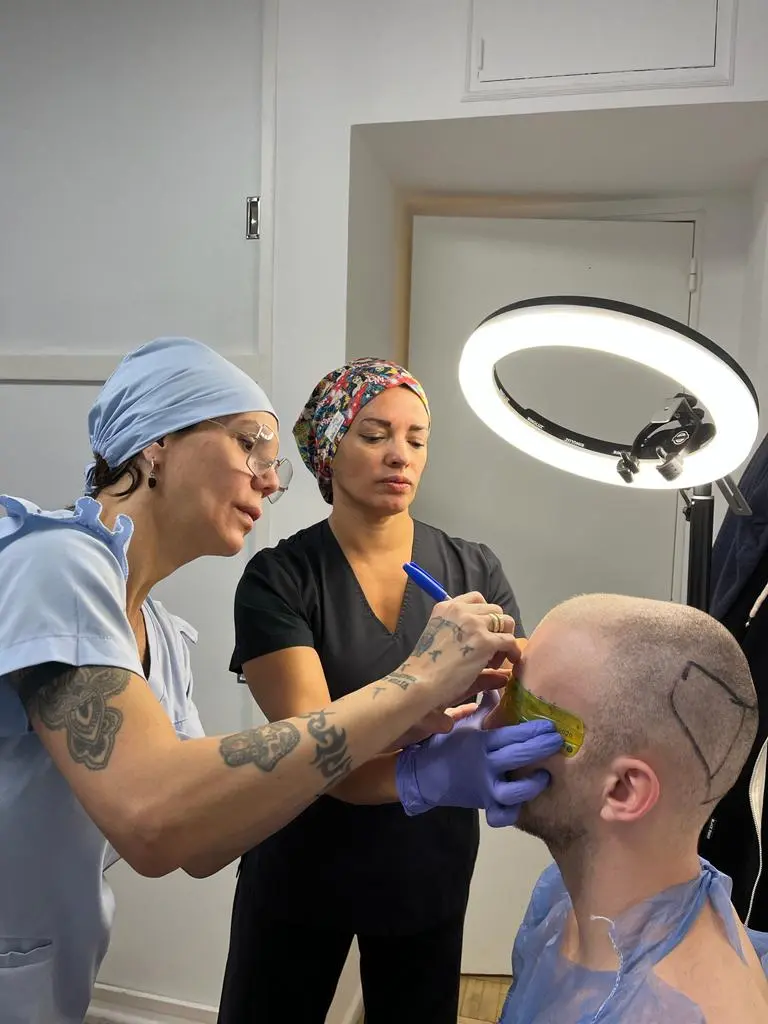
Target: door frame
<point x="439" y="204"/>
<point x="435" y="204"/>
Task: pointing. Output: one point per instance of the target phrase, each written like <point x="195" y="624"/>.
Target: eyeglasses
<point x="258" y="464"/>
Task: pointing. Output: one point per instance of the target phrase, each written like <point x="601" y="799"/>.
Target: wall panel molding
<point x="62" y="368"/>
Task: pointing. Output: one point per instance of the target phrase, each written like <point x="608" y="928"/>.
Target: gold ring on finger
<point x="496" y="623"/>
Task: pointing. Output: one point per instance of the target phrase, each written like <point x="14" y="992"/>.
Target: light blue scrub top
<point x="548" y="988"/>
<point x="62" y="598"/>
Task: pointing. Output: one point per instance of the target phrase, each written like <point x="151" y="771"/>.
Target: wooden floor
<point x="480" y="999"/>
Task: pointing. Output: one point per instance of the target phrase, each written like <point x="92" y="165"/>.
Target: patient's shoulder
<point x="709" y="971"/>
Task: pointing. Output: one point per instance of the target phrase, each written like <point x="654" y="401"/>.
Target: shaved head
<point x="654" y="681"/>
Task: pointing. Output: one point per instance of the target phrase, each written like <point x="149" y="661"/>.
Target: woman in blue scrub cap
<point x="96" y="688"/>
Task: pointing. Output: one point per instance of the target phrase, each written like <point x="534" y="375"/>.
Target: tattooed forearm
<point x="264" y="747"/>
<point x="269" y="744"/>
<point x="401" y="679"/>
<point x="77" y="701"/>
<point x="332" y="759"/>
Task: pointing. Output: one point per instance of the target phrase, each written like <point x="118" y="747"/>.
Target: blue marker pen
<point x="422" y="579"/>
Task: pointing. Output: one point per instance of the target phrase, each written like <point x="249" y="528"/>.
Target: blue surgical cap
<point x="163" y="386"/>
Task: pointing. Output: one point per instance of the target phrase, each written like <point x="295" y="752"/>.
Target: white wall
<point x="727" y="254"/>
<point x="373" y="219"/>
<point x="723" y="248"/>
<point x="360" y="61"/>
<point x="129" y="139"/>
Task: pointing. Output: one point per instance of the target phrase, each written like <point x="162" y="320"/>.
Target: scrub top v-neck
<point x="387" y="873"/>
<point x="355" y="585"/>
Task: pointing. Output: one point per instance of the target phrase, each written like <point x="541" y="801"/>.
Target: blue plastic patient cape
<point x="548" y="989"/>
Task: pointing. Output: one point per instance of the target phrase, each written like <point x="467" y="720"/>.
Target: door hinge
<point x="252" y="217"/>
<point x="480" y="54"/>
<point x="693" y="276"/>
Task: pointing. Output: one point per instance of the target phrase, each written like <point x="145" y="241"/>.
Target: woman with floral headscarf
<point x="319" y="616"/>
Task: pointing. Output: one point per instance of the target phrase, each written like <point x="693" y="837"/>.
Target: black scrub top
<point x="371" y="869"/>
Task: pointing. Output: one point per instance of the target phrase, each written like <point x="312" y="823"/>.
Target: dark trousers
<point x="278" y="972"/>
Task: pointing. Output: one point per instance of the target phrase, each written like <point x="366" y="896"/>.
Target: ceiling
<point x="631" y="151"/>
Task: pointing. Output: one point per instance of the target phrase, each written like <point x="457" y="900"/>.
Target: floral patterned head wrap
<point x="333" y="405"/>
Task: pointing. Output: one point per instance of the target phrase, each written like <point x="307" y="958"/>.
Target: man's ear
<point x="630" y="791"/>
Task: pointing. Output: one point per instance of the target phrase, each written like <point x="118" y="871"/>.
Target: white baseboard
<point x="112" y="1005"/>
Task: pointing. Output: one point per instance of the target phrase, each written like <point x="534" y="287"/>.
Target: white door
<point x="556" y="534"/>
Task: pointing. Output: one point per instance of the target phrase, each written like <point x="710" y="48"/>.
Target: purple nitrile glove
<point x="475" y="720"/>
<point x="467" y="767"/>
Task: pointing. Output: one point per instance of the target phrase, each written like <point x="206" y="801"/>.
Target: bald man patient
<point x="628" y="924"/>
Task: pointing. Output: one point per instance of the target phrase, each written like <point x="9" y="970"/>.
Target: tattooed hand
<point x="457" y="644"/>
